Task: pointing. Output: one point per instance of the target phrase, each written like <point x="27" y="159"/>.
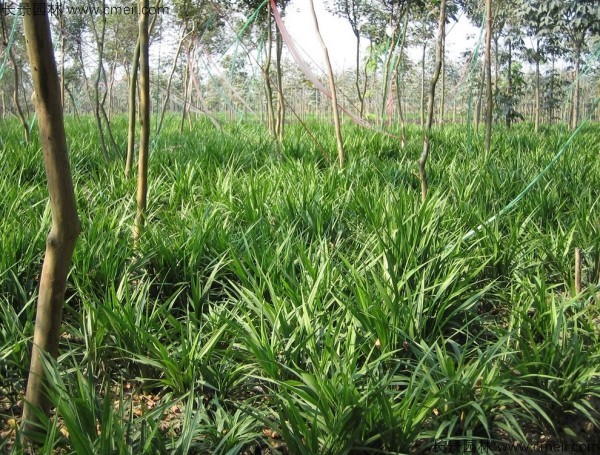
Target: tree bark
<point x="431" y="102"/>
<point x="65" y="222"/>
<point x="142" y="188"/>
<point x="132" y="109"/>
<point x="488" y="76"/>
<point x="336" y="118"/>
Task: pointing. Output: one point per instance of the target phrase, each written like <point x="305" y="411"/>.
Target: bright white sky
<point x="341" y="42"/>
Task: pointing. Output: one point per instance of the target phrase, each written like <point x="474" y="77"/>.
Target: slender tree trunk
<point x="280" y="127"/>
<point x="186" y="88"/>
<point x="386" y="78"/>
<point x="361" y="98"/>
<point x="537" y="88"/>
<point x="72" y="98"/>
<point x="401" y="112"/>
<point x="267" y="77"/>
<point x="111" y="85"/>
<point x="509" y="88"/>
<point x="399" y="93"/>
<point x="17" y="81"/>
<point x="170" y="80"/>
<point x="336" y="119"/>
<point x="366" y="78"/>
<point x="100" y="44"/>
<point x="431" y="101"/>
<point x="488" y="74"/>
<point x="16" y="95"/>
<point x="132" y="97"/>
<point x="142" y="189"/>
<point x="65" y="222"/>
<point x="443" y="94"/>
<point x="132" y="109"/>
<point x="422" y="109"/>
<point x="575" y="115"/>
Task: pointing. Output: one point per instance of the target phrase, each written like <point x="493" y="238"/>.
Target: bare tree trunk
<point x="575" y="115"/>
<point x="16" y="96"/>
<point x="142" y="188"/>
<point x="509" y="88"/>
<point x="422" y="109"/>
<point x="537" y="88"/>
<point x="170" y="80"/>
<point x="488" y="74"/>
<point x="132" y="96"/>
<point x="280" y="127"/>
<point x="431" y="102"/>
<point x="443" y="95"/>
<point x="187" y="83"/>
<point x="65" y="222"/>
<point x="361" y="98"/>
<point x="336" y="118"/>
<point x="17" y="81"/>
<point x="132" y="109"/>
<point x="72" y="102"/>
<point x="99" y="71"/>
<point x="267" y="77"/>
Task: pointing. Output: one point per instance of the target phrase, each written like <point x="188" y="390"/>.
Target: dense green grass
<point x="332" y="307"/>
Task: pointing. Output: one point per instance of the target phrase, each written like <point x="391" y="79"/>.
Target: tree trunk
<point x="575" y="115"/>
<point x="537" y="88"/>
<point x="132" y="109"/>
<point x="361" y="98"/>
<point x="422" y="109"/>
<point x="170" y="80"/>
<point x="509" y="88"/>
<point x="431" y="101"/>
<point x="99" y="71"/>
<point x="488" y="74"/>
<point x="65" y="223"/>
<point x="142" y="188"/>
<point x="267" y="76"/>
<point x="132" y="96"/>
<point x="443" y="95"/>
<point x="280" y="127"/>
<point x="187" y="83"/>
<point x="336" y="118"/>
<point x="16" y="97"/>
